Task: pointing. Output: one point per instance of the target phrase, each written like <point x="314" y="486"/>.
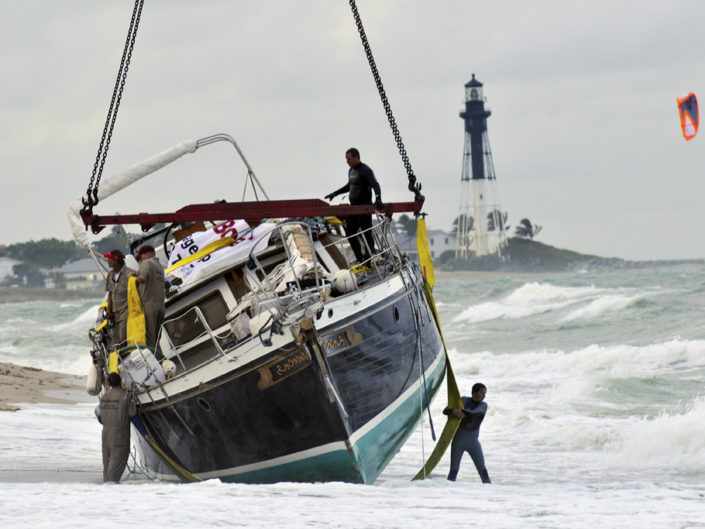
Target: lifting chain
<point x="414" y="186"/>
<point x="92" y="191"/>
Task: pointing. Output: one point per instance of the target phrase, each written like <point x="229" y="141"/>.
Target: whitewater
<point x="596" y="419"/>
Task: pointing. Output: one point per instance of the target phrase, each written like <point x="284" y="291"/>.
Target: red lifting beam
<point x="252" y="212"/>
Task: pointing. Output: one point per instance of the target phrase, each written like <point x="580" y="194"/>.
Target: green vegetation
<point x="527" y="230"/>
<point x="47" y="253"/>
<point x="521" y="254"/>
<point x="40" y="257"/>
<point x="408" y="224"/>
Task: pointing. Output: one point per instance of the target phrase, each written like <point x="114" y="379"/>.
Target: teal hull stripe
<point x="340" y="465"/>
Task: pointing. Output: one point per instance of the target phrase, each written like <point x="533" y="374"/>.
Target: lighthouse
<point x="481" y="222"/>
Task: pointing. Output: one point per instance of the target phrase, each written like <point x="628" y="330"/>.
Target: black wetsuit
<point x="467" y="439"/>
<point x="361" y="182"/>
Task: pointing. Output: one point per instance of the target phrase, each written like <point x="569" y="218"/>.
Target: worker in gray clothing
<point x="116" y="408"/>
<point x="150" y="284"/>
<point x="467" y="437"/>
<point x="116" y="287"/>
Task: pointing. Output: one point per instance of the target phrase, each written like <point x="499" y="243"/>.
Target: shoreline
<point x="30" y="385"/>
<point x="23" y="294"/>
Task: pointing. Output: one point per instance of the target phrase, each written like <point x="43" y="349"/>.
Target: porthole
<point x="203" y="403"/>
<point x="396" y="314"/>
<point x="330" y="313"/>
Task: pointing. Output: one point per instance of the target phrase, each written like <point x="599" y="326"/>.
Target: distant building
<point x="6" y="264"/>
<point x="438" y="241"/>
<point x="82" y="275"/>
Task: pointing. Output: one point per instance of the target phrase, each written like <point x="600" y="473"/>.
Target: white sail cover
<point x="247" y="240"/>
<point x="120" y="181"/>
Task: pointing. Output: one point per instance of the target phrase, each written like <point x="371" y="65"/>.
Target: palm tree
<point x="408" y="225"/>
<point x="470" y="222"/>
<point x="527" y="230"/>
<point x="497" y="218"/>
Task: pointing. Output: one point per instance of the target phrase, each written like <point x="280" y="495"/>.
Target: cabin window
<point x="237" y="284"/>
<point x="188" y="326"/>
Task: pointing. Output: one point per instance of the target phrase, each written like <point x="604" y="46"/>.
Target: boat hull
<point x="334" y="409"/>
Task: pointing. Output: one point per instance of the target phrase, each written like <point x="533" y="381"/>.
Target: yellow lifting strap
<point x="103" y="305"/>
<point x="454" y="400"/>
<point x="207" y="249"/>
<point x="136" y="333"/>
<point x="113" y="362"/>
<point x="424" y="252"/>
<point x="181" y="471"/>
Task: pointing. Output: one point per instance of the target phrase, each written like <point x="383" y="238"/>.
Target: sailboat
<point x="280" y="357"/>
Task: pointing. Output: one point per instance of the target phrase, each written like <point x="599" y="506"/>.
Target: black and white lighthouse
<point x="481" y="222"/>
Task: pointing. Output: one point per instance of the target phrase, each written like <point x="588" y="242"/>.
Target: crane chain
<point x="414" y="186"/>
<point x="92" y="191"/>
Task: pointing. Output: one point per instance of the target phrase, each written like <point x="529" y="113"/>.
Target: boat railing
<point x="285" y="287"/>
<point x="177" y="350"/>
<point x="296" y="286"/>
<point x="384" y="240"/>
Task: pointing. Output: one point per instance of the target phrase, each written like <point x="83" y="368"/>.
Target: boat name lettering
<point x="289" y="365"/>
<point x="331" y="345"/>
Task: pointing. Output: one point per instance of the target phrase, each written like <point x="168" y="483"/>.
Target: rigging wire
<point x="92" y="191"/>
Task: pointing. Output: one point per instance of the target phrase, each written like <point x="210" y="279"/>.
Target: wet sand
<point x="19" y="384"/>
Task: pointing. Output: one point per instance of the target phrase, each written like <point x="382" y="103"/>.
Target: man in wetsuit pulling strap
<point x="361" y="182"/>
<point x="467" y="437"/>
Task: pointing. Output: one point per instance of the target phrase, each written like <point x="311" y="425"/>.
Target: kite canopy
<point x="688" y="112"/>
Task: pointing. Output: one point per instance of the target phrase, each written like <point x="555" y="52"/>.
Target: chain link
<point x="92" y="191"/>
<point x="414" y="186"/>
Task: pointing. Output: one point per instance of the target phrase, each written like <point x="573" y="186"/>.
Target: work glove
<point x="378" y="204"/>
<point x="330" y="196"/>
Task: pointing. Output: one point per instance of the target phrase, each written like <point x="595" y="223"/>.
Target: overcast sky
<point x="584" y="127"/>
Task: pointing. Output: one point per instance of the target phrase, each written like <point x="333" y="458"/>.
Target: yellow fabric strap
<point x="181" y="471"/>
<point x="103" y="305"/>
<point x="424" y="252"/>
<point x="136" y="332"/>
<point x="208" y="248"/>
<point x="454" y="401"/>
<point x="113" y="362"/>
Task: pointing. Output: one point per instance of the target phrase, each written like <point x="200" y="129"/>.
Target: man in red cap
<point x="116" y="286"/>
<point x="150" y="284"/>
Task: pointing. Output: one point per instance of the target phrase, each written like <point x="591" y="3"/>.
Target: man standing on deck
<point x="361" y="182"/>
<point x="150" y="284"/>
<point x="467" y="437"/>
<point x="116" y="286"/>
<point x="116" y="408"/>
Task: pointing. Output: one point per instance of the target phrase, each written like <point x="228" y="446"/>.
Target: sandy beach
<point x="19" y="384"/>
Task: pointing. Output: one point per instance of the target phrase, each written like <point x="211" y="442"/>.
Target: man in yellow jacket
<point x="150" y="283"/>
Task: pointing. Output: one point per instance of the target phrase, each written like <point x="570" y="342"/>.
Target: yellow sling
<point x="454" y="400"/>
<point x="135" y="315"/>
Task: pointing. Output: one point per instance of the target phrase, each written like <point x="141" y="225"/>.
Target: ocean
<point x="596" y="419"/>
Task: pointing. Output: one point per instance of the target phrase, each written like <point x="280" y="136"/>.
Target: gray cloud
<point x="584" y="128"/>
